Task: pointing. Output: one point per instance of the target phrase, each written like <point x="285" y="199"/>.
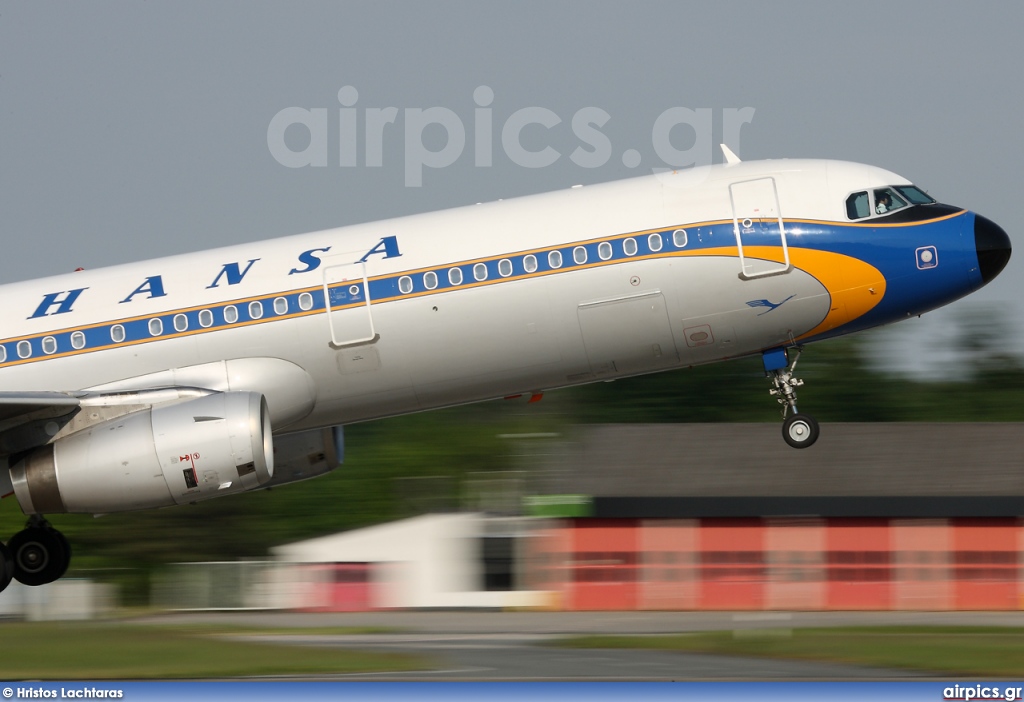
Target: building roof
<point x="403" y="540"/>
<point x="751" y="460"/>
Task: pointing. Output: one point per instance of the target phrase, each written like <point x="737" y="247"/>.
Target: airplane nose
<point x="993" y="247"/>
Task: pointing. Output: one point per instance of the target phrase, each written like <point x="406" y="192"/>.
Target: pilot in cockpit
<point x="883" y="202"/>
<point x="886" y="200"/>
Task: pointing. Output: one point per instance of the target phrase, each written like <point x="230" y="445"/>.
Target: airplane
<point x="194" y="376"/>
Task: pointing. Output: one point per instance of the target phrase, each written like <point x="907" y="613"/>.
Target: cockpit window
<point x="887" y="200"/>
<point x="857" y="206"/>
<point x="915" y="195"/>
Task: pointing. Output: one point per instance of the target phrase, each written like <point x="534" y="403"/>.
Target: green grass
<point x="980" y="651"/>
<point x="48" y="651"/>
<point x="231" y="629"/>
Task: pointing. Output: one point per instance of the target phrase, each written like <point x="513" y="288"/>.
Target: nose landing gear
<point x="798" y="430"/>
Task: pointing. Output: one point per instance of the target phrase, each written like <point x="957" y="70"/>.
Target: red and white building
<point x="712" y="517"/>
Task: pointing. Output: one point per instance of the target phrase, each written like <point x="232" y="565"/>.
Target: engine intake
<point x="214" y="445"/>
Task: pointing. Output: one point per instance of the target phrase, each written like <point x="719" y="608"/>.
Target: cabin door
<point x="347" y="299"/>
<point x="760" y="231"/>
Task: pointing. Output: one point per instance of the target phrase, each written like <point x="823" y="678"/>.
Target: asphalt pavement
<point x="512" y="645"/>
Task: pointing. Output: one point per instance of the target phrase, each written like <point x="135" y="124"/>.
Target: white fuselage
<point x="418" y="346"/>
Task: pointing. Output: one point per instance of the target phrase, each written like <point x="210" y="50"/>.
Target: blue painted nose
<point x="993" y="246"/>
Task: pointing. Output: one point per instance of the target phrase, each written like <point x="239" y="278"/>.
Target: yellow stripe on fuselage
<point x="854" y="286"/>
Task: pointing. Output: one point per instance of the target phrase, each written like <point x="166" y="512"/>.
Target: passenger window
<point x="180" y="322"/>
<point x="555" y="259"/>
<point x="24" y="349"/>
<point x="654" y="242"/>
<point x="3" y="353"/>
<point x="49" y="345"/>
<point x="430" y="280"/>
<point x="156" y="326"/>
<point x="405" y="285"/>
<point x="579" y="254"/>
<point x="77" y="340"/>
<point x="480" y="271"/>
<point x="455" y="276"/>
<point x="504" y="268"/>
<point x="205" y="318"/>
<point x="255" y="309"/>
<point x="305" y="302"/>
<point x="281" y="305"/>
<point x="857" y="206"/>
<point x="117" y="333"/>
<point x="679" y="238"/>
<point x="629" y="247"/>
<point x="530" y="263"/>
<point x="604" y="250"/>
<point x="230" y="314"/>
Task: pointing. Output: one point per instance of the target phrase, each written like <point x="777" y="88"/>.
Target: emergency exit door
<point x="347" y="298"/>
<point x="760" y="231"/>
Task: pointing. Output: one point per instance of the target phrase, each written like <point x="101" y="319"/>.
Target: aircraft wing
<point x="16" y="404"/>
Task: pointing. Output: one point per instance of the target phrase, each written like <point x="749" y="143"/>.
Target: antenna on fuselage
<point x="730" y="157"/>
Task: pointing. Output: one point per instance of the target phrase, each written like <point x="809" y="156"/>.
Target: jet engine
<point x="306" y="455"/>
<point x="205" y="447"/>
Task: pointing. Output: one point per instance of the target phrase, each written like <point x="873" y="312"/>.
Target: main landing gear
<point x="799" y="430"/>
<point x="36" y="555"/>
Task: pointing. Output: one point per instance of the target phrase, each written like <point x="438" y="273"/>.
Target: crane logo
<point x="768" y="303"/>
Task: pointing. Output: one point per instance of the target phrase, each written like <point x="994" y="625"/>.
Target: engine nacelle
<point x="306" y="455"/>
<point x="219" y="444"/>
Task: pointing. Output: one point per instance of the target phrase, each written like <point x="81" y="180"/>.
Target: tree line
<point x="444" y="447"/>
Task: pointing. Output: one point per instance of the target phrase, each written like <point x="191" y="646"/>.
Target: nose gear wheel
<point x="798" y="430"/>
